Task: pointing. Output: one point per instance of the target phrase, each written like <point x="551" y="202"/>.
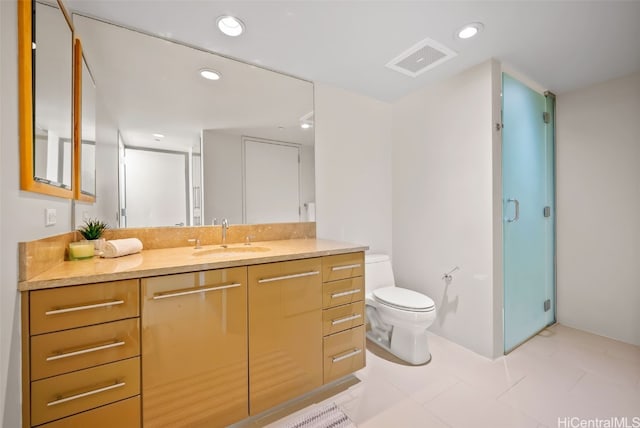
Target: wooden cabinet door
<point x="194" y="349"/>
<point x="285" y="331"/>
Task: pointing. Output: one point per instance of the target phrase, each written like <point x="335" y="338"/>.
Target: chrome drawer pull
<point x="345" y="319"/>
<point x="85" y="351"/>
<point x="345" y="267"/>
<point x="87" y="394"/>
<point x="295" y="275"/>
<point x="345" y="293"/>
<point x="201" y="290"/>
<point x="345" y="356"/>
<point x="84" y="308"/>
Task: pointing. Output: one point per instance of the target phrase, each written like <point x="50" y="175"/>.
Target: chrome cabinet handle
<point x="168" y="294"/>
<point x="85" y="351"/>
<point x="345" y="319"/>
<point x="84" y="308"/>
<point x="295" y="275"/>
<point x="345" y="356"/>
<point x="517" y="214"/>
<point x="345" y="267"/>
<point x="345" y="293"/>
<point x="86" y="394"/>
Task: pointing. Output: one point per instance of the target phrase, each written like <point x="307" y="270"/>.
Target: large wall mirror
<point x="46" y="98"/>
<point x="175" y="148"/>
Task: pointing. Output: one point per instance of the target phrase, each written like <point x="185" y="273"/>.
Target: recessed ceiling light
<point x="305" y="125"/>
<point x="158" y="136"/>
<point x="230" y="25"/>
<point x="469" y="30"/>
<point x="210" y="74"/>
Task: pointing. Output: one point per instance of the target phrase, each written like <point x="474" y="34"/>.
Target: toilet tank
<point x="377" y="272"/>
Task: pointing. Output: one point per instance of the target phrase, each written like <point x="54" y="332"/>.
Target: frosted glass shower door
<point x="528" y="211"/>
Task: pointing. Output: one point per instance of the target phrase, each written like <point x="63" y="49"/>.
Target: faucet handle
<point x="196" y="241"/>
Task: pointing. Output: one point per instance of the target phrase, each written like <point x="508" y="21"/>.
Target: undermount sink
<point x="231" y="251"/>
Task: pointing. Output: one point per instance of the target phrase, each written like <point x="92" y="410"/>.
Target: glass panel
<point x="53" y="97"/>
<point x="88" y="146"/>
<point x="527" y="168"/>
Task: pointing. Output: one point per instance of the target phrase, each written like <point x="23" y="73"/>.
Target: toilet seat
<point x="403" y="299"/>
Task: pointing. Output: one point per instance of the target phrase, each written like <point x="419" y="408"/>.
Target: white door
<point x="155" y="188"/>
<point x="272" y="182"/>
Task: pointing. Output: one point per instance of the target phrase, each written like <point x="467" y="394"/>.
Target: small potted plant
<point x="92" y="230"/>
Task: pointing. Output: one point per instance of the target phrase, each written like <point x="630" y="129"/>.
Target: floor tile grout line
<point x="572" y="387"/>
<point x="511" y="387"/>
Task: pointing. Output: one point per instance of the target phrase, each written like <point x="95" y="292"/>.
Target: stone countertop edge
<point x="168" y="261"/>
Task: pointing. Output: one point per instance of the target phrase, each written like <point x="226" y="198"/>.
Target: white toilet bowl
<point x="398" y="317"/>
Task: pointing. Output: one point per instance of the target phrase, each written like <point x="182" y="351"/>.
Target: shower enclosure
<point x="528" y="192"/>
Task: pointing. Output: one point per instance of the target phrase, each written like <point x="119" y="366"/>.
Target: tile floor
<point x="560" y="373"/>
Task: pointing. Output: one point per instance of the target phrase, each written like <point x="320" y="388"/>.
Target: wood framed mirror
<point x="45" y="58"/>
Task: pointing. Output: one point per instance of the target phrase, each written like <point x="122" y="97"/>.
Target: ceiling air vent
<point x="421" y="57"/>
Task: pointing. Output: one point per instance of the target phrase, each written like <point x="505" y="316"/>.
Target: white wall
<point x="22" y="218"/>
<point x="353" y="168"/>
<point x="598" y="193"/>
<point x="443" y="193"/>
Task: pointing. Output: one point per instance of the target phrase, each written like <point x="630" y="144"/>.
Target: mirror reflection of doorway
<point x="271" y="181"/>
<point x="151" y="178"/>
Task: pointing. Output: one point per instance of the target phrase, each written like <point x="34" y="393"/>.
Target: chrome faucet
<point x="225" y="226"/>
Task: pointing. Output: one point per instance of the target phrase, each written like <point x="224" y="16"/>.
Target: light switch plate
<point x="50" y="217"/>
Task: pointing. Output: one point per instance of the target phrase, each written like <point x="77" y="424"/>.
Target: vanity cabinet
<point x="83" y="349"/>
<point x="285" y="331"/>
<point x="194" y="349"/>
<point x="343" y="315"/>
<point x="199" y="349"/>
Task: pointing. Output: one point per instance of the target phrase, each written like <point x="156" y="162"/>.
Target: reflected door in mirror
<point x="156" y="188"/>
<point x="272" y="182"/>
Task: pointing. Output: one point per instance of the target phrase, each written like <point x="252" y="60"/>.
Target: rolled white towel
<point x="121" y="247"/>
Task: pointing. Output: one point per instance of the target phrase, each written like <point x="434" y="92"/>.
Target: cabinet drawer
<point x="343" y="353"/>
<point x="67" y="394"/>
<point x="342" y="318"/>
<point x="78" y="306"/>
<point x="342" y="292"/>
<point x="342" y="266"/>
<point x="123" y="414"/>
<point x="69" y="350"/>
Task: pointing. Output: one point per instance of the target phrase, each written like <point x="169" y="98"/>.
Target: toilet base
<point x="410" y="347"/>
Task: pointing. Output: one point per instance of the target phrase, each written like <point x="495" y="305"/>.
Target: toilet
<point x="398" y="317"/>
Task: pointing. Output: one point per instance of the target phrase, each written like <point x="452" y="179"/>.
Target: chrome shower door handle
<point x="517" y="214"/>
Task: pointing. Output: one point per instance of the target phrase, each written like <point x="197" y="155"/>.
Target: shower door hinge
<point x="546" y="117"/>
<point x="547" y="305"/>
<point x="546" y="212"/>
<point x="499" y="126"/>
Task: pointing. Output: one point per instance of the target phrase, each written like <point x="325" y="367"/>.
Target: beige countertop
<point x="183" y="259"/>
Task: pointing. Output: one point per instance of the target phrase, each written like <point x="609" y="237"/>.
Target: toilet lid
<point x="401" y="298"/>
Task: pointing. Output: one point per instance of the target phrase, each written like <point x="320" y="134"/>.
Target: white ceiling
<point x="562" y="45"/>
<point x="150" y="85"/>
